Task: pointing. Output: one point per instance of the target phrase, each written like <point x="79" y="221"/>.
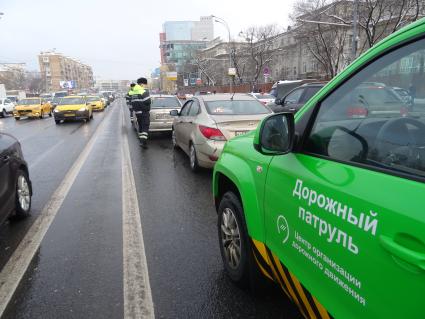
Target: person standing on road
<point x="141" y="103"/>
<point x="128" y="99"/>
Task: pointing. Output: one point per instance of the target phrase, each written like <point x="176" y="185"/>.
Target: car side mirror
<point x="275" y="134"/>
<point x="174" y="113"/>
<point x="278" y="101"/>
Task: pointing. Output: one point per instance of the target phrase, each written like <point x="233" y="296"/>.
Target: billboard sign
<point x="172" y="76"/>
<point x="67" y="84"/>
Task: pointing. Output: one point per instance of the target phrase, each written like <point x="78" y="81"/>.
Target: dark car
<point x="15" y="185"/>
<point x="296" y="98"/>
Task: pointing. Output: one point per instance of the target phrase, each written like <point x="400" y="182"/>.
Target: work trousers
<point x="143" y="119"/>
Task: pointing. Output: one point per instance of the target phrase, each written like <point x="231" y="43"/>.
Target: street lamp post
<point x="223" y="22"/>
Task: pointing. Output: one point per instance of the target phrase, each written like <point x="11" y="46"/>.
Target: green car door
<point x="345" y="212"/>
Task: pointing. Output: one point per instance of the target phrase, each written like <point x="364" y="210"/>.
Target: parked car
<point x="282" y="88"/>
<point x="206" y="122"/>
<point x="328" y="202"/>
<point x="32" y="107"/>
<point x="73" y="108"/>
<point x="15" y="184"/>
<point x="263" y="97"/>
<point x="6" y="107"/>
<point x="96" y="102"/>
<point x="161" y="105"/>
<point x="296" y="98"/>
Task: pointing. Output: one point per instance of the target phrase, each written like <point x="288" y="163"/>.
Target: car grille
<point x="25" y="112"/>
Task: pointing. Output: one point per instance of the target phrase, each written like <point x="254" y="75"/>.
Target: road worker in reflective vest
<point x="128" y="100"/>
<point x="141" y="103"/>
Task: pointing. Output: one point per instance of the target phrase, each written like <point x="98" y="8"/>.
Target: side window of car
<point x="194" y="110"/>
<point x="294" y="96"/>
<point x="365" y="121"/>
<point x="186" y="108"/>
<point x="7" y="101"/>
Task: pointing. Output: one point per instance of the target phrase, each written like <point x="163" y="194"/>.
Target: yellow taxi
<point x="96" y="102"/>
<point x="32" y="107"/>
<point x="73" y="108"/>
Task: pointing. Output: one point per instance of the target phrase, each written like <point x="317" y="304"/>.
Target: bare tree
<point x="320" y="30"/>
<point x="260" y="48"/>
<point x="13" y="78"/>
<point x="379" y="18"/>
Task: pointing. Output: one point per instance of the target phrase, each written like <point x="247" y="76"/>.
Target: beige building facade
<point x="55" y="69"/>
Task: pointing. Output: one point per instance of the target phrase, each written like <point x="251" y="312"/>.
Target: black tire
<point x="173" y="139"/>
<point x="41" y="114"/>
<point x="50" y="113"/>
<point x="17" y="118"/>
<point x="20" y="211"/>
<point x="247" y="274"/>
<point x="193" y="159"/>
<point x="91" y="116"/>
<point x="57" y="122"/>
<point x="3" y="113"/>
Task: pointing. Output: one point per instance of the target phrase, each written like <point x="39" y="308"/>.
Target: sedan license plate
<point x="69" y="114"/>
<point x="162" y="116"/>
<point x="237" y="133"/>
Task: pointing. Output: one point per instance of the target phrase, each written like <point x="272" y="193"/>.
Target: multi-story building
<point x="57" y="69"/>
<point x="112" y="85"/>
<point x="179" y="42"/>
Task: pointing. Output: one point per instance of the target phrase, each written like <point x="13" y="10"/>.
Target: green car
<point x="329" y="203"/>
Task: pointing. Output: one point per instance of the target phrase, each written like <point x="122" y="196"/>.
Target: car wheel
<point x="50" y="113"/>
<point x="193" y="160"/>
<point x="23" y="194"/>
<point x="173" y="139"/>
<point x="41" y="114"/>
<point x="17" y="118"/>
<point x="3" y="113"/>
<point x="235" y="246"/>
<point x="57" y="121"/>
<point x="91" y="116"/>
<point x="233" y="239"/>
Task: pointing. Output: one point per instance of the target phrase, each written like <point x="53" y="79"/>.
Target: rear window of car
<point x="235" y="107"/>
<point x="165" y="102"/>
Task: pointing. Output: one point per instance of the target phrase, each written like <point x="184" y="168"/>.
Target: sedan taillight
<point x="212" y="133"/>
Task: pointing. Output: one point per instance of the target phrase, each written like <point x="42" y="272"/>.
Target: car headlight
<point x="83" y="109"/>
<point x="55" y="110"/>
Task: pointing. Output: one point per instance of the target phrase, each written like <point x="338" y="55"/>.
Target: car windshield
<point x="61" y="94"/>
<point x="29" y="101"/>
<point x="93" y="98"/>
<point x="235" y="107"/>
<point x="71" y="101"/>
<point x="264" y="96"/>
<point x="165" y="102"/>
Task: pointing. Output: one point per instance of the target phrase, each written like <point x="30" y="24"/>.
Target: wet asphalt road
<point x="77" y="271"/>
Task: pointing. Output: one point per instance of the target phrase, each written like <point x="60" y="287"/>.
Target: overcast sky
<point x="119" y="39"/>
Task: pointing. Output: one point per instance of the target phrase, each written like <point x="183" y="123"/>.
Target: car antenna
<point x="231" y="99"/>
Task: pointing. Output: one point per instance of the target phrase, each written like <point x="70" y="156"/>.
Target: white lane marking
<point x="18" y="263"/>
<point x="40" y="158"/>
<point x="137" y="291"/>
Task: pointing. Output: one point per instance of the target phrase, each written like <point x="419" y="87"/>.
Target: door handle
<point x="6" y="159"/>
<point x="406" y="254"/>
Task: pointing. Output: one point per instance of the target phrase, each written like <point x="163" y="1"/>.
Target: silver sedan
<point x="206" y="122"/>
